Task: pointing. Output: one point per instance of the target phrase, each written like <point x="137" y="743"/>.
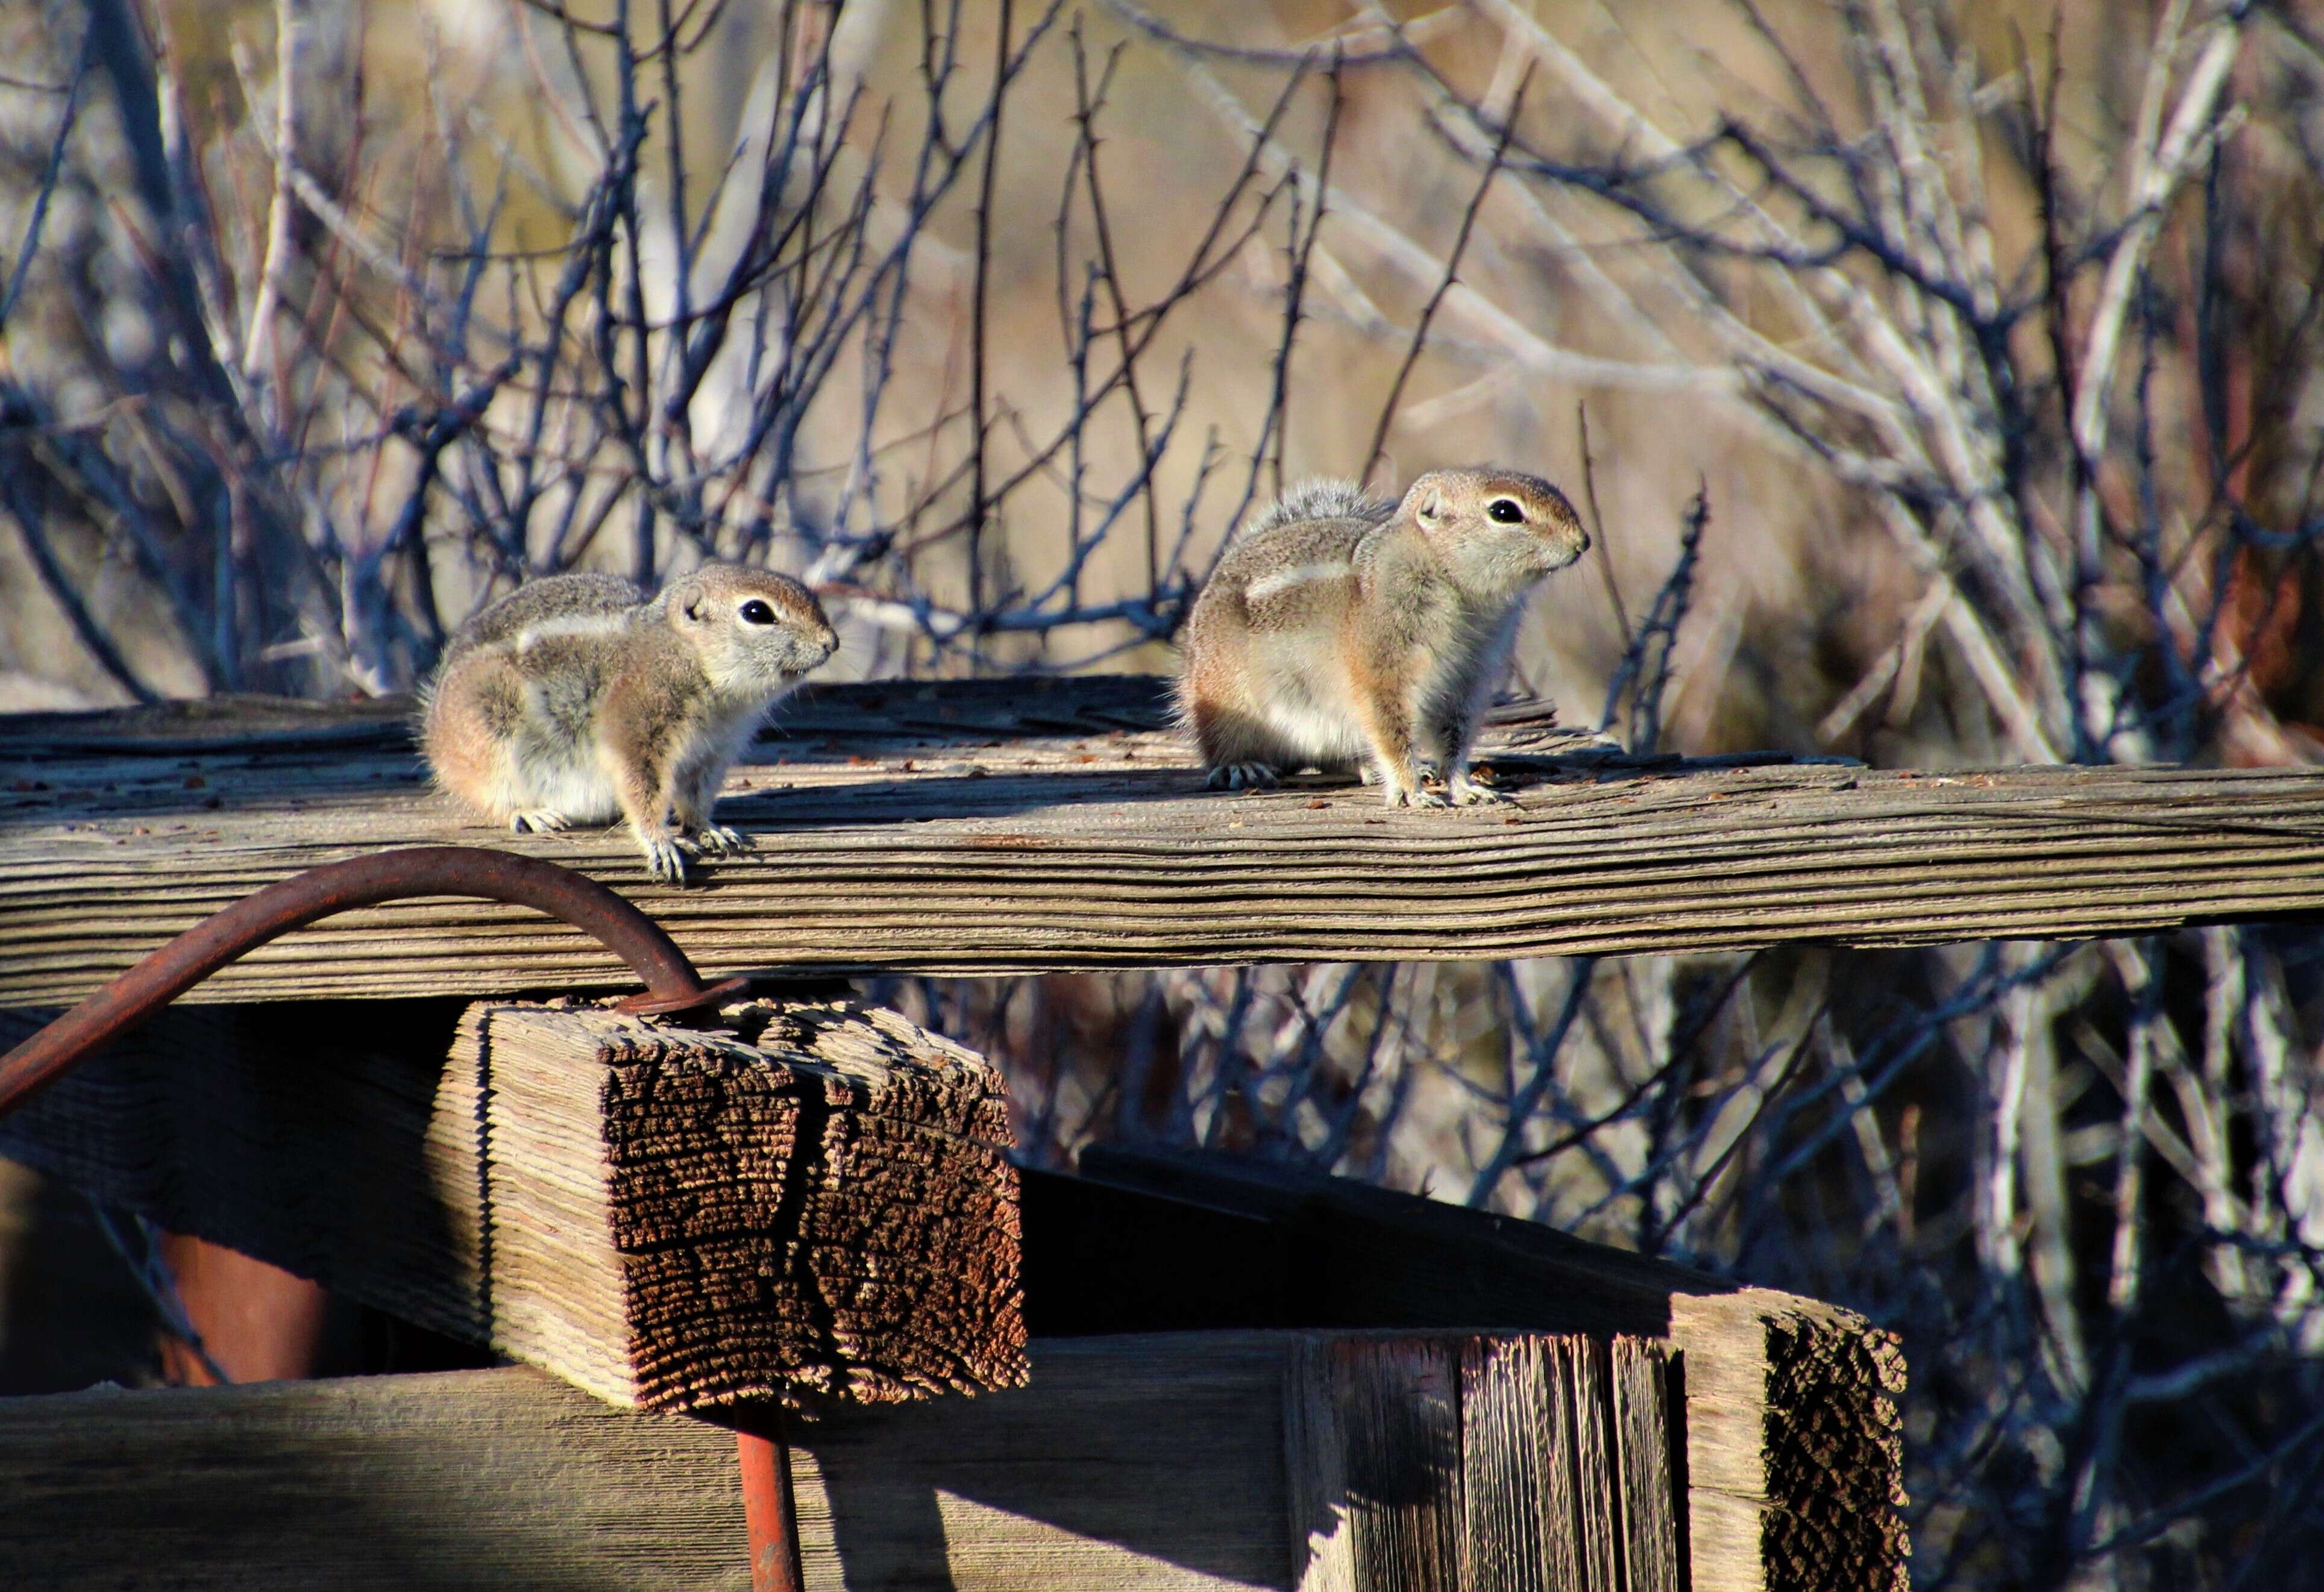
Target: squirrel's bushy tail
<point x="1324" y="497"/>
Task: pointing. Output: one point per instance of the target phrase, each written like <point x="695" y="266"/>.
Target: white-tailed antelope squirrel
<point x="1346" y="630"/>
<point x="577" y="699"/>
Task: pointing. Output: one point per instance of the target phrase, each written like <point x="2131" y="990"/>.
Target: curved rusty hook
<point x="671" y="983"/>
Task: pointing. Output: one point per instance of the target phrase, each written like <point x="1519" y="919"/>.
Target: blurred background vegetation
<point x="1986" y="334"/>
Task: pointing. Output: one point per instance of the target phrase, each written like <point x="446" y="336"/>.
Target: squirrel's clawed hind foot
<point x="1244" y="777"/>
<point x="1465" y="791"/>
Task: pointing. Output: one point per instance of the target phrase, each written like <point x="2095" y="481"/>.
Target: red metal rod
<point x="769" y="1511"/>
<point x="671" y="982"/>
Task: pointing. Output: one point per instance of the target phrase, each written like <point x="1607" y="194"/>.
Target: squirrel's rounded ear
<point x="692" y="609"/>
<point x="1432" y="508"/>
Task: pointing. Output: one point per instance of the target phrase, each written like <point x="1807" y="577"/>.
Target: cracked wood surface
<point x="996" y="826"/>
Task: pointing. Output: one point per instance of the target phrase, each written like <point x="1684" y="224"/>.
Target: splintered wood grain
<point x="1567" y="1485"/>
<point x="1485" y="1464"/>
<point x="1652" y="1538"/>
<point x="1583" y="1374"/>
<point x="1522" y="1519"/>
<point x="886" y="841"/>
<point x="1130" y="1465"/>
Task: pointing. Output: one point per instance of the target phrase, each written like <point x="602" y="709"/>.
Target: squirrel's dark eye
<point x="1505" y="511"/>
<point x="756" y="612"/>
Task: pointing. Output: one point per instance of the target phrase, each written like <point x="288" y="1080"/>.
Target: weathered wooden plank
<point x="1652" y="1535"/>
<point x="1793" y="1445"/>
<point x="1373" y="1456"/>
<point x="1149" y="1463"/>
<point x="1128" y="1465"/>
<point x="816" y="1199"/>
<point x="886" y="839"/>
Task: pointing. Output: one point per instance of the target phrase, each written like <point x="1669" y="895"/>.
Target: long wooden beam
<point x="1189" y="1462"/>
<point x="1171" y="1480"/>
<point x="887" y="839"/>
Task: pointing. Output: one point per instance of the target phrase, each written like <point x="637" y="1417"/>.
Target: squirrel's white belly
<point x="566" y="779"/>
<point x="1308" y="702"/>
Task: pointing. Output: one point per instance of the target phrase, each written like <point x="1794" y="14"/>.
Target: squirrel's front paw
<point x="1412" y="796"/>
<point x="718" y="840"/>
<point x="542" y="823"/>
<point x="664" y="858"/>
<point x="1466" y="791"/>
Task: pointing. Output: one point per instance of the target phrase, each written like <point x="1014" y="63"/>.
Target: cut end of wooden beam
<point x="814" y="1204"/>
<point x="1835" y="1458"/>
<point x="1795" y="1444"/>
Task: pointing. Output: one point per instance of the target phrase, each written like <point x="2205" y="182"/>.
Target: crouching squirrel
<point x="1342" y="631"/>
<point x="578" y="699"/>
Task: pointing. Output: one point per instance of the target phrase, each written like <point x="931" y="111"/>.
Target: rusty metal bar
<point x="671" y="986"/>
<point x="671" y="982"/>
<point x="255" y="1322"/>
<point x="770" y="1511"/>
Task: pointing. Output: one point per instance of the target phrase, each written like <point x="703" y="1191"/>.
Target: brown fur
<point x="551" y="598"/>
